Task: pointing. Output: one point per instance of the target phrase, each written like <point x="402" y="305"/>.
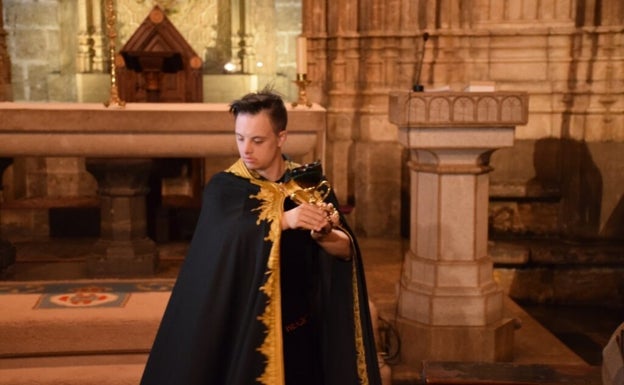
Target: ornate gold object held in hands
<point x="314" y="194"/>
<point x="306" y="184"/>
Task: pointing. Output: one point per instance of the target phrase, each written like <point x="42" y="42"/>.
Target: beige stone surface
<point x="140" y="130"/>
<point x="29" y="331"/>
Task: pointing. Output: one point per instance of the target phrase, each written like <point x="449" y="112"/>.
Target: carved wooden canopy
<point x="158" y="65"/>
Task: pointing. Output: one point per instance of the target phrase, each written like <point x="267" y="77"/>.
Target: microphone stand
<point x="417" y="87"/>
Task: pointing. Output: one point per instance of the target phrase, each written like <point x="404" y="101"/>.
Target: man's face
<point x="258" y="145"/>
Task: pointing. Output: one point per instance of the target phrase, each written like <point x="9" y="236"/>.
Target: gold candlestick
<point x="111" y="18"/>
<point x="302" y="82"/>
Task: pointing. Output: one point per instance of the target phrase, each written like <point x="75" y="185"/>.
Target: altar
<point x="119" y="145"/>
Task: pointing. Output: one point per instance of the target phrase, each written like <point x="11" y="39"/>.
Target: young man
<point x="271" y="292"/>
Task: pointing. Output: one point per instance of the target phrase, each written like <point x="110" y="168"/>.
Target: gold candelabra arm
<point x="302" y="82"/>
<point x="111" y="18"/>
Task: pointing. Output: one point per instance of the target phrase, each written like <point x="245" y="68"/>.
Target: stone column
<point x="100" y="46"/>
<point x="123" y="248"/>
<point x="450" y="307"/>
<point x="243" y="36"/>
<point x="84" y="53"/>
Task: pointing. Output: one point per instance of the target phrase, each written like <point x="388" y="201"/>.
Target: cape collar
<point x="239" y="168"/>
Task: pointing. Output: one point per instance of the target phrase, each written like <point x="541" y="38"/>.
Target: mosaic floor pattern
<point x="87" y="294"/>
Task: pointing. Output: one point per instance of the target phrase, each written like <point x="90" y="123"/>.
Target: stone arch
<point x="416" y="110"/>
<point x="511" y="109"/>
<point x="487" y="109"/>
<point x="463" y="109"/>
<point x="439" y="110"/>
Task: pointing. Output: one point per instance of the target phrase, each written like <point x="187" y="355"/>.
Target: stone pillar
<point x="243" y="36"/>
<point x="100" y="42"/>
<point x="248" y="36"/>
<point x="450" y="307"/>
<point x="7" y="250"/>
<point x="85" y="51"/>
<point x="123" y="248"/>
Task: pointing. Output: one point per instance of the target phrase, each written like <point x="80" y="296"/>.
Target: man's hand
<point x="332" y="214"/>
<point x="308" y="216"/>
<point x="321" y="219"/>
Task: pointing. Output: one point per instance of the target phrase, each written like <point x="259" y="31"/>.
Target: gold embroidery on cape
<point x="270" y="210"/>
<point x="359" y="339"/>
<point x="271" y="206"/>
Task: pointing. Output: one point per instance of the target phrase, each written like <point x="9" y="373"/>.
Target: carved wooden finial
<point x="157" y="15"/>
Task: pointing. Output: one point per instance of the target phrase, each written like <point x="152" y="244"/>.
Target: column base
<point x="123" y="258"/>
<point x="490" y="343"/>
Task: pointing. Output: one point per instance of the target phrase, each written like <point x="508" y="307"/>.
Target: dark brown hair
<point x="264" y="100"/>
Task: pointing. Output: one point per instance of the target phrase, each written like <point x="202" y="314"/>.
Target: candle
<point x="302" y="55"/>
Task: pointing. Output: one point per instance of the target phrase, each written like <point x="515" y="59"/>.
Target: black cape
<point x="245" y="286"/>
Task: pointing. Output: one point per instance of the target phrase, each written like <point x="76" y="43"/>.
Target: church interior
<point x="476" y="148"/>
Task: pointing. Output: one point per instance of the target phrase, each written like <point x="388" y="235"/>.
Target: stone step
<point x="76" y="346"/>
<point x="29" y="331"/>
<point x="50" y="202"/>
<point x="73" y="370"/>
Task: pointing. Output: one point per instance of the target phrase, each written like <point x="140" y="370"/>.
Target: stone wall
<point x="50" y="42"/>
<point x="40" y="63"/>
<point x="556" y="197"/>
<point x="562" y="180"/>
<point x="563" y="176"/>
<point x="58" y="51"/>
<point x="41" y="44"/>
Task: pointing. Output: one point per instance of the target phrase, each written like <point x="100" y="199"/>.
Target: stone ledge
<point x="556" y="272"/>
<point x="74" y="374"/>
<point x="51" y="202"/>
<point x="546" y="252"/>
<point x="524" y="190"/>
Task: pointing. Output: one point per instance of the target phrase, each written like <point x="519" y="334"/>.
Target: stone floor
<point x="549" y="334"/>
